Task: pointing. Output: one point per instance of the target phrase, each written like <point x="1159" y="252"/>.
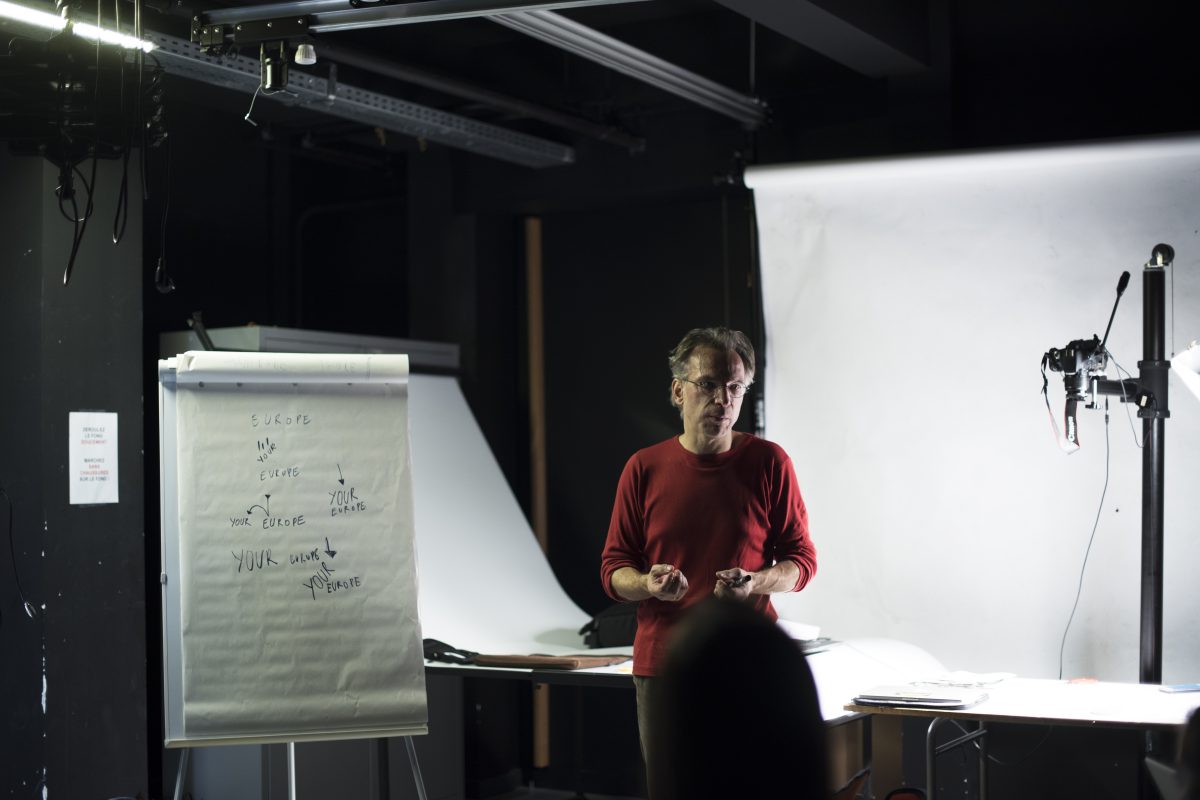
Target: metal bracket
<point x="1154" y="373"/>
<point x="208" y="36"/>
<point x="215" y="35"/>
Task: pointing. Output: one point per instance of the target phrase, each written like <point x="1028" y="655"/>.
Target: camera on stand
<point x="1079" y="361"/>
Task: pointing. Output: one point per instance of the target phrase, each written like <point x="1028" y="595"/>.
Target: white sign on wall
<point x="92" y="457"/>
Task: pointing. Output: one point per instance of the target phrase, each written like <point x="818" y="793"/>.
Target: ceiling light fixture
<point x="92" y="33"/>
<point x="45" y="21"/>
<point x="31" y="17"/>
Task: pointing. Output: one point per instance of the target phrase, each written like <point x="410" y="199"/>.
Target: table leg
<point x="933" y="750"/>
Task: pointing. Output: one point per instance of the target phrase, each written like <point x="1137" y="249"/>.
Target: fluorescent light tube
<point x="31" y="16"/>
<point x="44" y="20"/>
<point x="92" y="33"/>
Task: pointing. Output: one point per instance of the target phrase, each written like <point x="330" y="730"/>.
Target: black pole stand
<point x="1150" y="394"/>
<point x="1153" y="409"/>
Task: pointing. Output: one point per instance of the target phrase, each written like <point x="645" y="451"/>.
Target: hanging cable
<point x="66" y="187"/>
<point x="163" y="281"/>
<point x="250" y="110"/>
<point x="140" y="112"/>
<point x="1091" y="539"/>
<point x="30" y="611"/>
<point x="1125" y="399"/>
<point x="80" y="222"/>
<point x="121" y="217"/>
<point x="1172" y="311"/>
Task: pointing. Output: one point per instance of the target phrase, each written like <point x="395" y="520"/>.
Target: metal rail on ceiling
<point x="534" y="19"/>
<point x="304" y="90"/>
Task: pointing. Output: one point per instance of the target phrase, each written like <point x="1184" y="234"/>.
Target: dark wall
<point x="623" y="283"/>
<point x="21" y="638"/>
<point x="263" y="228"/>
<point x="75" y="699"/>
<point x="1039" y="71"/>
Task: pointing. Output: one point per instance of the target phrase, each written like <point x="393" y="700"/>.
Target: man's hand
<point x="666" y="583"/>
<point x="662" y="581"/>
<point x="735" y="583"/>
<point x="740" y="584"/>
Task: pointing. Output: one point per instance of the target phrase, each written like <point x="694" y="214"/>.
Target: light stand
<point x="1150" y="393"/>
<point x="1153" y="409"/>
<point x="1151" y="397"/>
<point x="1082" y="363"/>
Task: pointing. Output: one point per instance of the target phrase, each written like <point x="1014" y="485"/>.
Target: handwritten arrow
<point x="266" y="509"/>
<point x="341" y="480"/>
<point x="332" y="553"/>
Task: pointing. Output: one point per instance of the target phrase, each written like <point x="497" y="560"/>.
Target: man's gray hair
<point x="720" y="338"/>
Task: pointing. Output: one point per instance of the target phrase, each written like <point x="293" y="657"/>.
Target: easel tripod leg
<point x="181" y="774"/>
<point x="416" y="768"/>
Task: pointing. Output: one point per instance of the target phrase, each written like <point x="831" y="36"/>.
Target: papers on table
<point x="921" y="695"/>
<point x="980" y="680"/>
<point x="958" y="689"/>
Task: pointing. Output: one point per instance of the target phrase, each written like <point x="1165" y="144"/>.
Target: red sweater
<point x="704" y="513"/>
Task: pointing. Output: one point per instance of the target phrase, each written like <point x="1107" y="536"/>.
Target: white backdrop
<point x="908" y="304"/>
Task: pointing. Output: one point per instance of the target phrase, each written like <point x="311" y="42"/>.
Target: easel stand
<point x="383" y="771"/>
<point x="384" y="787"/>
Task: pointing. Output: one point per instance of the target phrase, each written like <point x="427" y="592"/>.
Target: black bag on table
<point x="615" y="626"/>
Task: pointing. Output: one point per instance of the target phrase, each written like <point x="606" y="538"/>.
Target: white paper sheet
<point x="297" y="569"/>
<point x="487" y="585"/>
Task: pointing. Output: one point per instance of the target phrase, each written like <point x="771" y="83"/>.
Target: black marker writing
<point x="341" y="585"/>
<point x="279" y="472"/>
<point x="251" y="560"/>
<point x="345" y="501"/>
<point x="300" y="558"/>
<point x="278" y="420"/>
<point x="265" y="448"/>
<point x="282" y="522"/>
<point x="319" y="579"/>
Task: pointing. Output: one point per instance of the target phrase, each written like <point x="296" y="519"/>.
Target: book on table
<point x="921" y="696"/>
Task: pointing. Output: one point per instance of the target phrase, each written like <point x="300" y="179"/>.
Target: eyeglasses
<point x="734" y="390"/>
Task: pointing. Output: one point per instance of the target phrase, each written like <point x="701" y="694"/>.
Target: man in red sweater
<point x="711" y="511"/>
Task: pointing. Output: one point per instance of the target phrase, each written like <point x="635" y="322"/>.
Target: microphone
<point x="1122" y="284"/>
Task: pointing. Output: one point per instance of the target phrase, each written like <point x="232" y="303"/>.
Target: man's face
<point x="708" y="417"/>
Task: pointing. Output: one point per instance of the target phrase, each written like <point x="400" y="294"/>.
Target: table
<point x="839" y="669"/>
<point x="1043" y="701"/>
